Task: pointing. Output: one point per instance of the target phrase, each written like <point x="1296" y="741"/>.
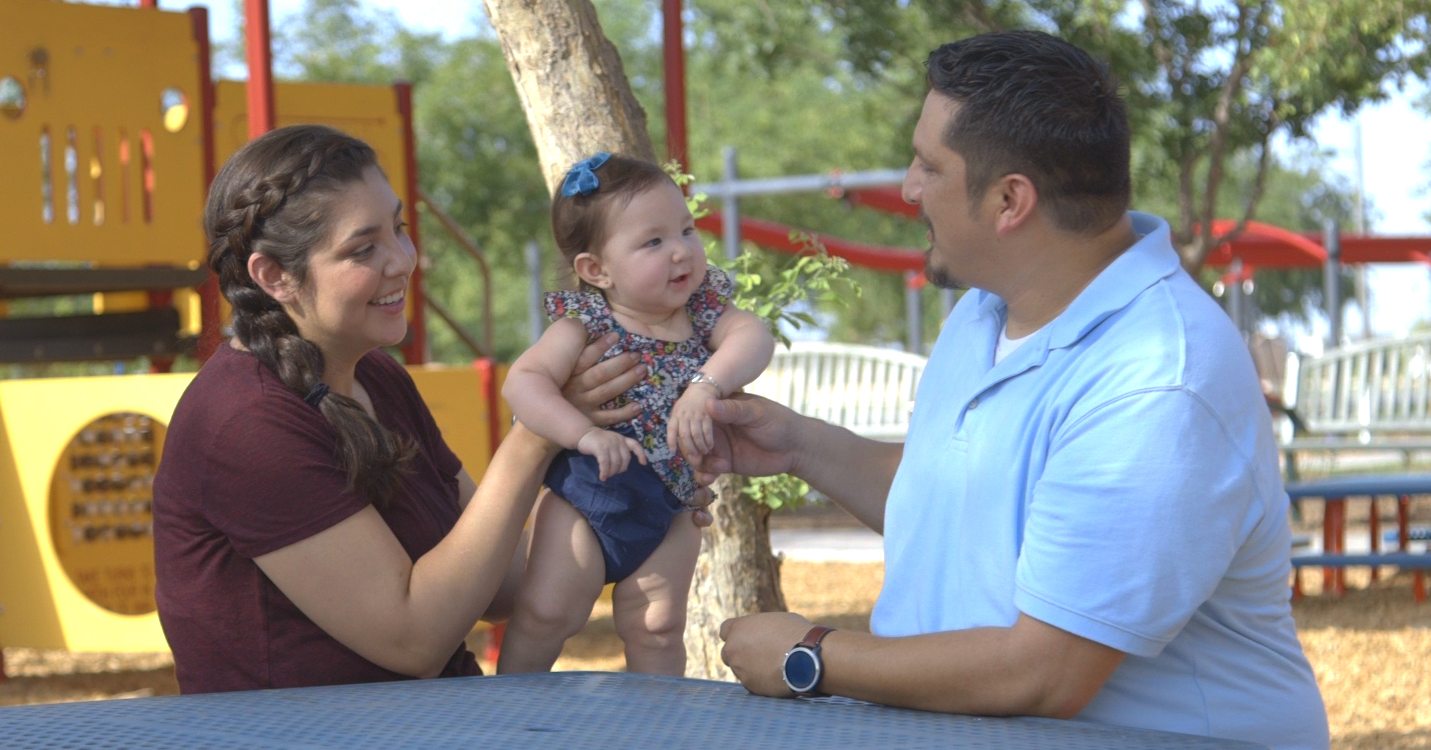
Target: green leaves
<point x="802" y="86"/>
<point x="780" y="492"/>
<point x="778" y="290"/>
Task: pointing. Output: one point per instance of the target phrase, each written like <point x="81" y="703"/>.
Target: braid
<point x="272" y="198"/>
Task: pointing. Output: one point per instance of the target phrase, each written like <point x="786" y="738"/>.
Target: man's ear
<point x="589" y="269"/>
<point x="270" y="277"/>
<point x="1015" y="200"/>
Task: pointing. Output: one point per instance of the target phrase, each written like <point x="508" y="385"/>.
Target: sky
<point x="1396" y="155"/>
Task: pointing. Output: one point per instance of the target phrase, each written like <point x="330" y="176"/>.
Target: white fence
<point x="866" y="389"/>
<point x="1367" y="387"/>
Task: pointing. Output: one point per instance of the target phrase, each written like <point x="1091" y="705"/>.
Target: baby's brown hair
<point x="580" y="221"/>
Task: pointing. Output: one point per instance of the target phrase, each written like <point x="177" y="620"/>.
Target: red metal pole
<point x="1340" y="520"/>
<point x="1403" y="538"/>
<point x="1328" y="546"/>
<point x="673" y="46"/>
<point x="210" y="334"/>
<point x="487" y="374"/>
<point x="493" y="652"/>
<point x="260" y="68"/>
<point x="487" y="378"/>
<point x="1334" y="543"/>
<point x="415" y="351"/>
<point x="1375" y="522"/>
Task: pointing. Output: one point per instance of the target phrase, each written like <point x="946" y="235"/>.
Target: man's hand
<point x="592" y="384"/>
<point x="755" y="647"/>
<point x="754" y="436"/>
<point x="699" y="505"/>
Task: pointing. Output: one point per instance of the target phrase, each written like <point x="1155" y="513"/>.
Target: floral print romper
<point x="632" y="511"/>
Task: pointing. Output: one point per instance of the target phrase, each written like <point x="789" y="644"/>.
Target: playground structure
<point x="110" y="115"/>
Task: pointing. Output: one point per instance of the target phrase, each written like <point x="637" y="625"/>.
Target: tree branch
<point x="1185" y="199"/>
<point x="1259" y="182"/>
<point x="977" y="16"/>
<point x="1154" y="25"/>
<point x="1222" y="113"/>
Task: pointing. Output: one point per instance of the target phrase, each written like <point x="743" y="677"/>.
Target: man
<point x="1087" y="517"/>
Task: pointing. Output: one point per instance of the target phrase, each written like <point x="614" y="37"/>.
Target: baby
<point x="624" y="226"/>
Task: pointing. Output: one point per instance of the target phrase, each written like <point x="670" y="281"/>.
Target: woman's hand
<point x="690" y="428"/>
<point x="612" y="450"/>
<point x="594" y="383"/>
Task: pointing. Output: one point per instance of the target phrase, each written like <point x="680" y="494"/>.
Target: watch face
<point x="800" y="670"/>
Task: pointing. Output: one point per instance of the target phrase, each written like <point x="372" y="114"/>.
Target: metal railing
<point x="1372" y="386"/>
<point x="868" y="390"/>
<point x="484" y="348"/>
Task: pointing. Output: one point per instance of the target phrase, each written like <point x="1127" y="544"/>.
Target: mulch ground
<point x="1370" y="649"/>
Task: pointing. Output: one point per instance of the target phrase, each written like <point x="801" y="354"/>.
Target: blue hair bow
<point x="581" y="180"/>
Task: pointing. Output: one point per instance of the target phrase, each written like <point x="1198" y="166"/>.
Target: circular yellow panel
<point x="101" y="510"/>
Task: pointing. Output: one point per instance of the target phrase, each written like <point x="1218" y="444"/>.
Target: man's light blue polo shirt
<point x="1115" y="477"/>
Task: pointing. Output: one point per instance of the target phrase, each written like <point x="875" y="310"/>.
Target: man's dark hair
<point x="1036" y="105"/>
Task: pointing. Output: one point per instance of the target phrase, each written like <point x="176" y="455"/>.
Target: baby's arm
<point x="741" y="347"/>
<point x="532" y="392"/>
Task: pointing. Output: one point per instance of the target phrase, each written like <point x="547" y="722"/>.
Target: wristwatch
<point x="804" y="667"/>
<point x="701" y="377"/>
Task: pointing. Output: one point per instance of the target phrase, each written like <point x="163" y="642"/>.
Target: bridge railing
<point x="1366" y="388"/>
<point x="866" y="389"/>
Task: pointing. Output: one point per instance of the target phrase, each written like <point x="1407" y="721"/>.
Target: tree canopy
<point x="802" y="86"/>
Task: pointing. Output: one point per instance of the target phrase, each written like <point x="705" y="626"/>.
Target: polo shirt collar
<point x="1150" y="260"/>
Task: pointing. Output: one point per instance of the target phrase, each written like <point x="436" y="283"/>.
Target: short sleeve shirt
<point x="250" y="468"/>
<point x="1117" y="478"/>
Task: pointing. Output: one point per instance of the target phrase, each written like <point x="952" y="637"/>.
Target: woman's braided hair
<point x="276" y="197"/>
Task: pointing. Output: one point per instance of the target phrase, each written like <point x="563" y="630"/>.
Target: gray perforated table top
<point x="597" y="710"/>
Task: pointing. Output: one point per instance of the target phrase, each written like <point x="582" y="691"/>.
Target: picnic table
<point x="1333" y="560"/>
<point x="597" y="710"/>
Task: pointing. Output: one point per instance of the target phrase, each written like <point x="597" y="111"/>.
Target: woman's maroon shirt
<point x="250" y="468"/>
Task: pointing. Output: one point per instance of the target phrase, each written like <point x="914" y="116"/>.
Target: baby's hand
<point x="612" y="450"/>
<point x="690" y="427"/>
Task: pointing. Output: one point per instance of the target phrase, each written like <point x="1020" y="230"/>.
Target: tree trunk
<point x="571" y="83"/>
<point x="578" y="101"/>
<point x="736" y="574"/>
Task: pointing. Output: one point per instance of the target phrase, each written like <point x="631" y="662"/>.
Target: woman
<point x="311" y="526"/>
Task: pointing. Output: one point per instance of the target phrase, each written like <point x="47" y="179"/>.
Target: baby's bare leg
<point x="565" y="573"/>
<point x="649" y="607"/>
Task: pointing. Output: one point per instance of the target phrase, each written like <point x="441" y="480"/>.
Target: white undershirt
<point x="1007" y="345"/>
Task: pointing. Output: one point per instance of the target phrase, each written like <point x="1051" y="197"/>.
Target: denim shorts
<point x="629" y="512"/>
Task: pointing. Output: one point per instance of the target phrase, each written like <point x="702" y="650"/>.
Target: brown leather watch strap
<point x="816" y="634"/>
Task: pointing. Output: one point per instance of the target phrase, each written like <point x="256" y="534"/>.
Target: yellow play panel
<point x="77" y="460"/>
<point x="103" y="160"/>
<point x="77" y="457"/>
